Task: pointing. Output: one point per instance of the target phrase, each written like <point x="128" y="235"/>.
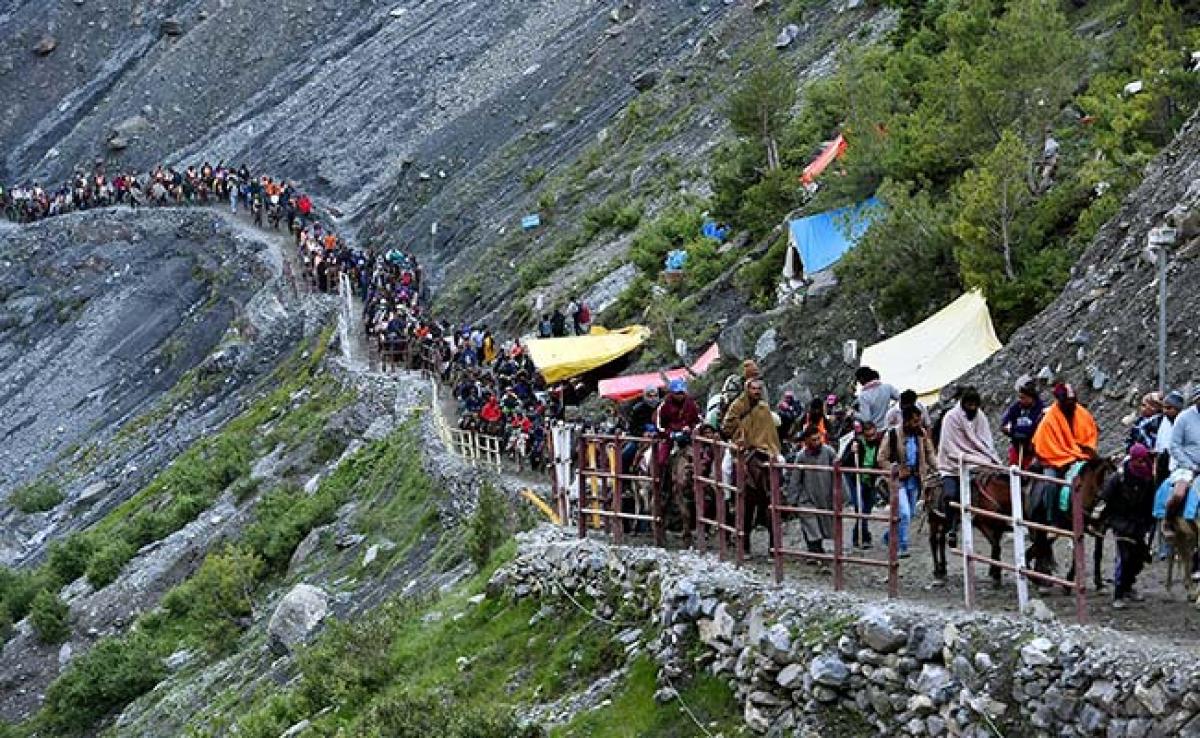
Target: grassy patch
<point x="633" y="711"/>
<point x="36" y="497"/>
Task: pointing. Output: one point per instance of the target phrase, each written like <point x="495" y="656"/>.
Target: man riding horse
<point x="677" y="415"/>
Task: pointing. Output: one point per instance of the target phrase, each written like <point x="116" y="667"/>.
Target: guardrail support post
<point x="1018" y="513"/>
<point x="616" y="524"/>
<point x="698" y="493"/>
<point x="742" y="539"/>
<point x="967" y="536"/>
<point x="1079" y="539"/>
<point x="838" y="521"/>
<point x="583" y="496"/>
<point x="776" y="522"/>
<point x="893" y="576"/>
<point x="719" y="453"/>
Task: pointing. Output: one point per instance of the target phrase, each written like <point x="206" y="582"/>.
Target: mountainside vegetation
<point x="948" y="123"/>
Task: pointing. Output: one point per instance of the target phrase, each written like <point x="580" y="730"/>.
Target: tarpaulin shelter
<point x="938" y="350"/>
<point x="630" y="386"/>
<point x="817" y="242"/>
<point x="828" y="155"/>
<point x="562" y="358"/>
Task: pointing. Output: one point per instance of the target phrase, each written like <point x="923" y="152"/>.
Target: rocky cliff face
<point x="123" y="336"/>
<point x="1101" y="333"/>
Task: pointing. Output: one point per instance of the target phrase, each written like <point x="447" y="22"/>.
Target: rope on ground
<point x="598" y="618"/>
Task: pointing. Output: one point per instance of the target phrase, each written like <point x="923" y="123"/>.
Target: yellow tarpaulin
<point x="939" y="350"/>
<point x="562" y="358"/>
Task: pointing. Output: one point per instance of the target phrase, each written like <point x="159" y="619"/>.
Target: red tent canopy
<point x="629" y="387"/>
<point x="832" y="151"/>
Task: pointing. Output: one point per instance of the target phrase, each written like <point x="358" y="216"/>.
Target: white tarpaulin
<point x="938" y="350"/>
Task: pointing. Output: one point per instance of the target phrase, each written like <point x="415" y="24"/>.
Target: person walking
<point x="813" y="488"/>
<point x="911" y="448"/>
<point x="1128" y="500"/>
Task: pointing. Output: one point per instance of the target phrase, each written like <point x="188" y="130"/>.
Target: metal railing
<point x="837" y="513"/>
<point x="709" y="458"/>
<point x="1020" y="528"/>
<point x="602" y="486"/>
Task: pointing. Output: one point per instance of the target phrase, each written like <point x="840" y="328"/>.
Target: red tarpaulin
<point x="629" y="387"/>
<point x="832" y="151"/>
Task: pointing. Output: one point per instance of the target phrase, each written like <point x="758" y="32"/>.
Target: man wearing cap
<point x="1173" y="404"/>
<point x="640" y="417"/>
<point x="1128" y="498"/>
<point x="751" y="426"/>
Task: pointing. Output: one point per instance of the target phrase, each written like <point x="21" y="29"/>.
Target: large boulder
<point x="296" y="617"/>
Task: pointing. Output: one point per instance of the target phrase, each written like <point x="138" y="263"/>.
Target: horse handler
<point x="1128" y="499"/>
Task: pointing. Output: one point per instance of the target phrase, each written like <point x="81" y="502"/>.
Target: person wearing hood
<point x="1019" y="422"/>
<point x="1128" y="500"/>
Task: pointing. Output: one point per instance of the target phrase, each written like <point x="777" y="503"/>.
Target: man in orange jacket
<point x="1067" y="433"/>
<point x="1067" y="436"/>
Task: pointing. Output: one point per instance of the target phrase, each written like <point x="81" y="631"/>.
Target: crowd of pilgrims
<point x="276" y="201"/>
<point x="499" y="392"/>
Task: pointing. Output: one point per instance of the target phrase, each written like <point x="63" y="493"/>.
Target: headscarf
<point x="1141" y="463"/>
<point x="1064" y="391"/>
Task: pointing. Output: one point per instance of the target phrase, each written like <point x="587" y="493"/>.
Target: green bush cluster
<point x="49" y="616"/>
<point x="111" y="674"/>
<point x="36" y="497"/>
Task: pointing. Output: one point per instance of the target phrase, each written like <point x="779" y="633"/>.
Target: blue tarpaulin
<point x="820" y="240"/>
<point x="531" y="221"/>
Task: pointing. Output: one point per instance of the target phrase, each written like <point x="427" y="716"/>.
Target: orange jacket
<point x="1059" y="443"/>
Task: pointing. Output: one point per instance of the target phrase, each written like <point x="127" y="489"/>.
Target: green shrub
<point x="283" y="518"/>
<point x="110" y="675"/>
<point x="49" y="617"/>
<point x="36" y="497"/>
<point x="18" y="588"/>
<point x="488" y="527"/>
<point x="106" y="564"/>
<point x="217" y="598"/>
<point x="68" y="559"/>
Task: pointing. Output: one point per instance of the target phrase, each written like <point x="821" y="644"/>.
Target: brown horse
<point x="991" y="492"/>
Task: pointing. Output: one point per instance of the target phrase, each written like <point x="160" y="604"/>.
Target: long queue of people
<point x="270" y="201"/>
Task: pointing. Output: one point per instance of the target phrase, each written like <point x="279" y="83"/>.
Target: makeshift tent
<point x="562" y="358"/>
<point x="832" y="151"/>
<point x="938" y="350"/>
<point x="818" y="241"/>
<point x="629" y="387"/>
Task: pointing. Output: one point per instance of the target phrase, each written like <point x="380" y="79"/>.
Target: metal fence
<point x="1020" y="530"/>
<point x="604" y="489"/>
<point x="838" y="514"/>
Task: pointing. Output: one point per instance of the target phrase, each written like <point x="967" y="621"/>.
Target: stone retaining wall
<point x="818" y="663"/>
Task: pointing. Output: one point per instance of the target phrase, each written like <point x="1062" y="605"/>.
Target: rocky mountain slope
<point x="1102" y="333"/>
<point x="124" y="336"/>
